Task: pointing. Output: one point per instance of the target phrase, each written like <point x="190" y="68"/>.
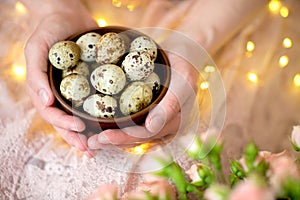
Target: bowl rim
<point x="115" y="120"/>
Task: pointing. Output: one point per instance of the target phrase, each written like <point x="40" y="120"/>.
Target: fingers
<point x="77" y="140"/>
<point x="182" y="87"/>
<point x="55" y="116"/>
<point x="74" y="139"/>
<point x="36" y="53"/>
<point x="131" y="136"/>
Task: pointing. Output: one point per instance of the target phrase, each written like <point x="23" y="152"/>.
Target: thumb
<point x="182" y="88"/>
<point x="36" y="53"/>
<point x="162" y="113"/>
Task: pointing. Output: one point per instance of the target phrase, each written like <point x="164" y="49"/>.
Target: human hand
<point x="164" y="120"/>
<point x="55" y="24"/>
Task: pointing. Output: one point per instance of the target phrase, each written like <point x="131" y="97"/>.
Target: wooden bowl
<point x="94" y="124"/>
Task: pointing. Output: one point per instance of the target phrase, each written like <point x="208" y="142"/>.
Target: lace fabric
<point x="44" y="167"/>
<point x="39" y="165"/>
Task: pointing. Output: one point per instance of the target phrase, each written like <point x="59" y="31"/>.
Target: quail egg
<point x="110" y="48"/>
<point x="75" y="88"/>
<point x="153" y="81"/>
<point x="135" y="97"/>
<point x="108" y="79"/>
<point x="103" y="106"/>
<point x="138" y="65"/>
<point x="87" y="44"/>
<point x="64" y="54"/>
<point x="144" y="43"/>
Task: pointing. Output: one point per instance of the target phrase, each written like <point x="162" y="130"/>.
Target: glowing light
<point x="19" y="71"/>
<point x="117" y="3"/>
<point x="101" y="22"/>
<point x="250" y="46"/>
<point x="20" y="8"/>
<point x="283" y="61"/>
<point x="252" y="77"/>
<point x="287" y="43"/>
<point x="284" y="12"/>
<point x="140" y="149"/>
<point x="204" y="85"/>
<point x="274" y="6"/>
<point x="130" y="7"/>
<point x="209" y="69"/>
<point x="297" y="80"/>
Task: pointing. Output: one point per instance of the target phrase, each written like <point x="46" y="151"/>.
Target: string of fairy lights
<point x="276" y="7"/>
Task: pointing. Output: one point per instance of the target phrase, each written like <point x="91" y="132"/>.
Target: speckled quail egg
<point x="135" y="97"/>
<point x="144" y="43"/>
<point x="138" y="65"/>
<point x="108" y="79"/>
<point x="98" y="105"/>
<point x="64" y="54"/>
<point x="81" y="68"/>
<point x="153" y="81"/>
<point x="75" y="88"/>
<point x="110" y="48"/>
<point x="87" y="44"/>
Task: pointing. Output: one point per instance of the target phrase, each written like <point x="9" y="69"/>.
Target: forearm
<point x="212" y="23"/>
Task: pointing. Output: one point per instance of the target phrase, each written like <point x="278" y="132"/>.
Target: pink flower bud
<point x="193" y="173"/>
<point x="282" y="168"/>
<point x="251" y="190"/>
<point x="159" y="188"/>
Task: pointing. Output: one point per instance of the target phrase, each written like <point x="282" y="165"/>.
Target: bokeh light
<point x="252" y="77"/>
<point x="283" y="61"/>
<point x="287" y="43"/>
<point x="101" y="22"/>
<point x="209" y="69"/>
<point x="284" y="12"/>
<point x="19" y="71"/>
<point x="297" y="80"/>
<point x="274" y="6"/>
<point x="204" y="85"/>
<point x="130" y="7"/>
<point x="250" y="46"/>
<point x="140" y="149"/>
<point x="116" y="3"/>
<point x="20" y="8"/>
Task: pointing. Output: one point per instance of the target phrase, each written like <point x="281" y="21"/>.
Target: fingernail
<point x="103" y="139"/>
<point x="74" y="127"/>
<point x="44" y="96"/>
<point x="156" y="124"/>
<point x="93" y="144"/>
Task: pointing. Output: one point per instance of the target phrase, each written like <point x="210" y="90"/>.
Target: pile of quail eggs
<point x="107" y="75"/>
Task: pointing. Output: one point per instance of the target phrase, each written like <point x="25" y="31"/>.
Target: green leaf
<point x="237" y="169"/>
<point x="290" y="189"/>
<point x="250" y="154"/>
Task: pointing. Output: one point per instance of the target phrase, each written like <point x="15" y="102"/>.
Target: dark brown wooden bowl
<point x="94" y="124"/>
